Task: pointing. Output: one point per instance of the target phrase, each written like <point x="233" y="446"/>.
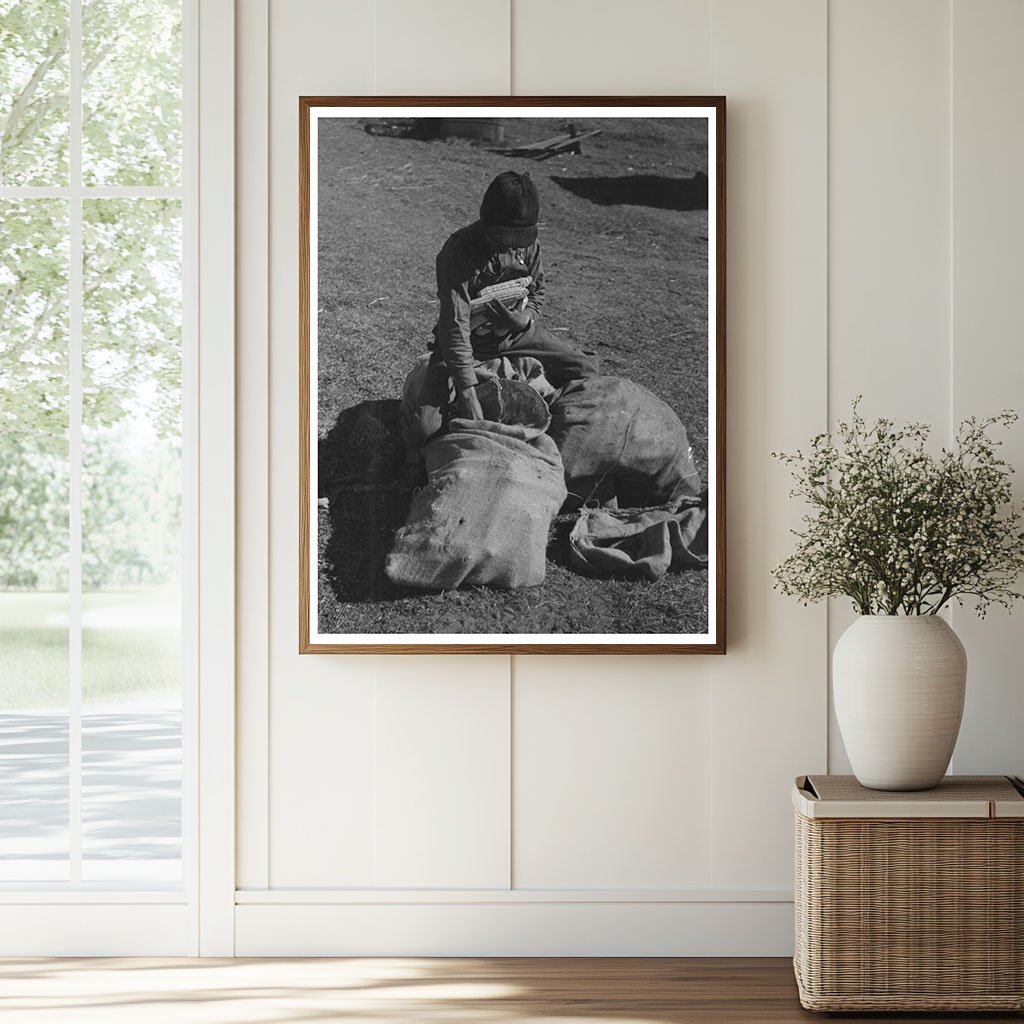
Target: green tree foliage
<point x="131" y="509"/>
<point x="33" y="392"/>
<point x="33" y="92"/>
<point x="131" y="92"/>
<point x="34" y="321"/>
<point x="131" y="315"/>
<point x="33" y="514"/>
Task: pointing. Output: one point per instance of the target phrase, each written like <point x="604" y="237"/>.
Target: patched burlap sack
<point x="484" y="516"/>
<point x="516" y="388"/>
<point x="619" y="442"/>
<point x="513" y="402"/>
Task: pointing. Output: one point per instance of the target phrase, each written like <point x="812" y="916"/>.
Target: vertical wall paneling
<point x="769" y="692"/>
<point x="328" y="828"/>
<point x="576" y="47"/>
<point x="611" y="755"/>
<point x="323" y="763"/>
<point x="442" y="753"/>
<point x="987" y="368"/>
<point x="252" y="589"/>
<point x="612" y="774"/>
<point x="442" y="775"/>
<point x="442" y="48"/>
<point x="872" y="248"/>
<point x="321" y="709"/>
<point x="889" y="254"/>
<point x="889" y="212"/>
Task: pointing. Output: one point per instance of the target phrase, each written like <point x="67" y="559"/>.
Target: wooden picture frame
<point x="377" y="183"/>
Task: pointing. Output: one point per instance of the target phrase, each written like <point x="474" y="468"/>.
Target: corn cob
<point x="506" y="292"/>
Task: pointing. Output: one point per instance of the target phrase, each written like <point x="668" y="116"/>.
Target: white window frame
<point x="197" y="918"/>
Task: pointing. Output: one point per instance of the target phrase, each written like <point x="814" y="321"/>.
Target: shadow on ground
<point x="362" y="462"/>
<point x="559" y="551"/>
<point x="652" y="190"/>
<point x="363" y="444"/>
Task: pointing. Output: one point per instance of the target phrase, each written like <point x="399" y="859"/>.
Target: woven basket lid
<point x="957" y="796"/>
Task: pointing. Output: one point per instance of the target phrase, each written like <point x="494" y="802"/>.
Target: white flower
<point x="899" y="529"/>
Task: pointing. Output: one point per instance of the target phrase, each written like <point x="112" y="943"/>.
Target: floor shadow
<point x="641" y="190"/>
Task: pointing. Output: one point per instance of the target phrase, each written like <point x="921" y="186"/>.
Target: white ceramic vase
<point x="898" y="684"/>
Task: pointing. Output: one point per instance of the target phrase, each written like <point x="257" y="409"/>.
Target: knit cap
<point x="510" y="209"/>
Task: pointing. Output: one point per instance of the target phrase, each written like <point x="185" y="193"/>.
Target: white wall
<point x="542" y="805"/>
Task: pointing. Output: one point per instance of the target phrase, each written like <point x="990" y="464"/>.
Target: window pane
<point x="33" y="92"/>
<point x="131" y="541"/>
<point x="131" y="748"/>
<point x="131" y="92"/>
<point x="33" y="540"/>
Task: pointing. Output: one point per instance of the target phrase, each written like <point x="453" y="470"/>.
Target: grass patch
<point x="627" y="281"/>
<point x="130" y="647"/>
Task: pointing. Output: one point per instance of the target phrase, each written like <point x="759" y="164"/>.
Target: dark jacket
<point x="464" y="266"/>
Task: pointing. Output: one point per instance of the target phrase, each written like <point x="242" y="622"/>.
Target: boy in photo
<point x="501" y="248"/>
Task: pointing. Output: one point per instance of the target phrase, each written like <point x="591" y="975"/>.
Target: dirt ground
<point x="626" y="271"/>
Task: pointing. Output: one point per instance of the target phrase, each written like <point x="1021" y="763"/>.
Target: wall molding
<point x="216" y="586"/>
<point x="252" y="520"/>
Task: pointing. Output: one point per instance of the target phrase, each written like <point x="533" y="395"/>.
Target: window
<point x="95" y="464"/>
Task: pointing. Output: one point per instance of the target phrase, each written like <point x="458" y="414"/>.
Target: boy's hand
<point x="502" y="317"/>
<point x="467" y="405"/>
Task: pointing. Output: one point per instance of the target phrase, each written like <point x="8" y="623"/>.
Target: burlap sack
<point x="484" y="516"/>
<point x="516" y="384"/>
<point x="619" y="442"/>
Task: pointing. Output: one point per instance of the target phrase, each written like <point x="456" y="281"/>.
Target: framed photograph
<point x="512" y="375"/>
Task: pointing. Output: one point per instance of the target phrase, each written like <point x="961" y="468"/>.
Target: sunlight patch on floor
<point x="186" y="991"/>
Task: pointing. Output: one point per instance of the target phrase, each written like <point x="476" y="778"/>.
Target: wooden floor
<point x="381" y="991"/>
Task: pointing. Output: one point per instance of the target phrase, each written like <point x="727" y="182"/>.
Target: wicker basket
<point x="910" y="901"/>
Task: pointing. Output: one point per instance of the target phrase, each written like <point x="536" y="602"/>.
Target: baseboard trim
<point x="108" y="929"/>
<point x="515" y="928"/>
<point x="348" y="897"/>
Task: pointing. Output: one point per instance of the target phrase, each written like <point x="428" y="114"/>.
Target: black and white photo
<point x="512" y="375"/>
